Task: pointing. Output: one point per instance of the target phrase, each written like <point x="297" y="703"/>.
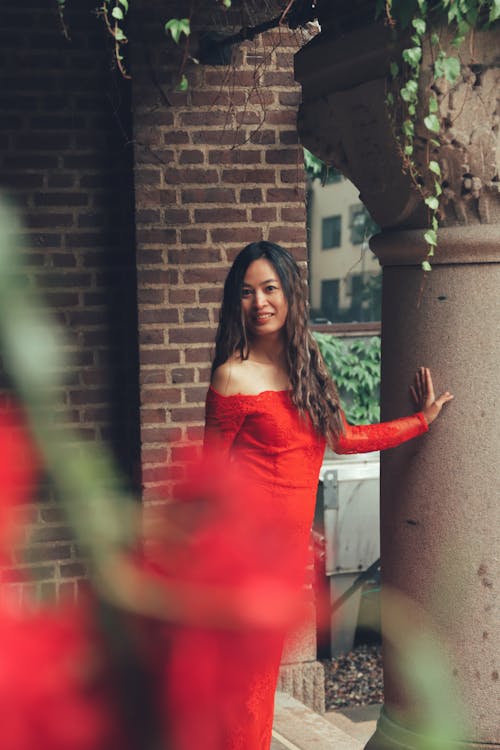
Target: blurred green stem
<point x="98" y="507"/>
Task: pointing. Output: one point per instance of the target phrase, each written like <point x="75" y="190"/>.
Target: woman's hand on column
<point x="423" y="395"/>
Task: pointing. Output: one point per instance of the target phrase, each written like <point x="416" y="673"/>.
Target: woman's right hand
<point x="423" y="395"/>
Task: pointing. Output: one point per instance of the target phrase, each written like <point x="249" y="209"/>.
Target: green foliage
<point x="318" y="170"/>
<point x="183" y="83"/>
<point x="178" y="26"/>
<point x="447" y="67"/>
<point x="419" y="16"/>
<point x="416" y="17"/>
<point x="355" y="367"/>
<point x="114" y="13"/>
<point x="313" y="165"/>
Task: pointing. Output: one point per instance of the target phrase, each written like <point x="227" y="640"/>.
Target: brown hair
<point x="313" y="390"/>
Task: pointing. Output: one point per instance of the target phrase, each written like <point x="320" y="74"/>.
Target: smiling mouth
<point x="263" y="316"/>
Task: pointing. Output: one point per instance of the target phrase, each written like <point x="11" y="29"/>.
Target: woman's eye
<point x="246" y="292"/>
<point x="271" y="288"/>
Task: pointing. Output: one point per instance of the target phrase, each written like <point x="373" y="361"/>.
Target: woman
<point x="272" y="407"/>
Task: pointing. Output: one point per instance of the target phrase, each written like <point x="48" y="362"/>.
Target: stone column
<point x="439" y="494"/>
<point x="440" y="519"/>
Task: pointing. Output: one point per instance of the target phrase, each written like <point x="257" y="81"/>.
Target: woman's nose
<point x="259" y="298"/>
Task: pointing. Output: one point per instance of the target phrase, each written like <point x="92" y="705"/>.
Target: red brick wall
<point x="213" y="168"/>
<point x="216" y="167"/>
<point x="63" y="160"/>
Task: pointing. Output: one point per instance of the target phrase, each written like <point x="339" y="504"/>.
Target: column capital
<point x="456" y="245"/>
<point x="345" y="120"/>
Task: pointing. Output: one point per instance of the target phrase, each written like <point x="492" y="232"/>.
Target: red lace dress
<point x="229" y="705"/>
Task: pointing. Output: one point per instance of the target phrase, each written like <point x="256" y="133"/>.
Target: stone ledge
<point x="296" y="727"/>
<point x="304" y="681"/>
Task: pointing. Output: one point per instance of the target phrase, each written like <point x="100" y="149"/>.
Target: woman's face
<point x="263" y="301"/>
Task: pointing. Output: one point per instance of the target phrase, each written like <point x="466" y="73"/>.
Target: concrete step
<point x="297" y="727"/>
<point x="359" y="722"/>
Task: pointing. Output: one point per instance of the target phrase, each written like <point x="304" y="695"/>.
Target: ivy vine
<point x="355" y="368"/>
<point x="418" y="16"/>
<point x="114" y="14"/>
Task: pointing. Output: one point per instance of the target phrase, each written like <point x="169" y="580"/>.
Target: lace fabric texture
<point x="228" y="704"/>
<point x="379" y="437"/>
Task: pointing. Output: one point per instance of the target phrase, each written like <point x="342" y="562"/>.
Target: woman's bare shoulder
<point x="232" y="377"/>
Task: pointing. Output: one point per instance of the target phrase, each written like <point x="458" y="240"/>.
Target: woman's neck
<point x="268" y="352"/>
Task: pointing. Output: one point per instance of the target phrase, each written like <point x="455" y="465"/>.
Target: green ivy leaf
<point x="408" y="92"/>
<point x="118" y="14"/>
<point x="453" y="12"/>
<point x="464" y="27"/>
<point x="183" y="84"/>
<point x="433" y="105"/>
<point x="119" y="35"/>
<point x="408" y="128"/>
<point x="394" y="68"/>
<point x="434" y="38"/>
<point x="434" y="142"/>
<point x="447" y="67"/>
<point x="412" y="110"/>
<point x="435" y="223"/>
<point x="494" y="11"/>
<point x="412" y="56"/>
<point x="430" y="237"/>
<point x="178" y="26"/>
<point x="419" y="25"/>
<point x="432" y="202"/>
<point x="389" y="99"/>
<point x="124" y="3"/>
<point x="437" y="189"/>
<point x="434" y="167"/>
<point x="426" y="266"/>
<point x="226" y="3"/>
<point x="432" y="123"/>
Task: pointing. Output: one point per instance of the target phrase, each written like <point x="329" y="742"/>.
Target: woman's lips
<point x="263" y="318"/>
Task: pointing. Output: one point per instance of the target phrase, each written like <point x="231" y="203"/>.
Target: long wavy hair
<point x="313" y="390"/>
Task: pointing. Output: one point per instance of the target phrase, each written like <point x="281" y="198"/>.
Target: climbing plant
<point x="355" y="367"/>
<point x="414" y="20"/>
<point x="419" y="18"/>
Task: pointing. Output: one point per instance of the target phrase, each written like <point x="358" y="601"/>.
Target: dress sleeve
<point x="224" y="417"/>
<point x="378" y="437"/>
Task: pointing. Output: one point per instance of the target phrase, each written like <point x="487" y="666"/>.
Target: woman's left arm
<point x="377" y="437"/>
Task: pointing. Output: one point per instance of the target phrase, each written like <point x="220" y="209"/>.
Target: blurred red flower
<point x="18" y="471"/>
<point x="53" y="686"/>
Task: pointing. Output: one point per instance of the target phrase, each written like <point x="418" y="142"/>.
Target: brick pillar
<point x="216" y="167"/>
<point x="64" y="162"/>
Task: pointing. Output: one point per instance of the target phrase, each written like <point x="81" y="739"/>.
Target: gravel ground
<point x="354" y="679"/>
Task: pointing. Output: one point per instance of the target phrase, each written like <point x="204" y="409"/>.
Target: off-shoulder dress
<point x="280" y="454"/>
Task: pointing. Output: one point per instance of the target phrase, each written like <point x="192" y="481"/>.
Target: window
<point x="358" y="220"/>
<point x="331" y="232"/>
<point x="366" y="297"/>
<point x="361" y="224"/>
<point x="344" y="284"/>
<point x="330" y="299"/>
